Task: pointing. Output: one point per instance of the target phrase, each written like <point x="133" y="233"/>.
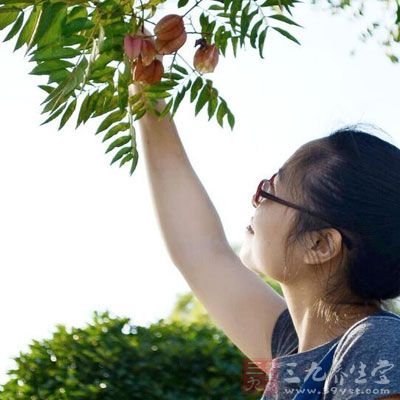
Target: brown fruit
<point x="149" y="74"/>
<point x="170" y="46"/>
<point x="157" y="73"/>
<point x="206" y="58"/>
<point x="140" y="71"/>
<point x="148" y="52"/>
<point x="169" y="27"/>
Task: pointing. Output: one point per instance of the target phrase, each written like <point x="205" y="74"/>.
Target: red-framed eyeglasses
<point x="263" y="191"/>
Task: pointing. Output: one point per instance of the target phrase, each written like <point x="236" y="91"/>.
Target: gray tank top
<point x="366" y="364"/>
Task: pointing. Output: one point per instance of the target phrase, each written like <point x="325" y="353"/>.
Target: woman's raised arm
<point x="237" y="299"/>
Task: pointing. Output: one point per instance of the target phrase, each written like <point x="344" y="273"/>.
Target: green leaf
<point x="91" y="107"/>
<point x="216" y="7"/>
<point x="71" y="40"/>
<point x="64" y="89"/>
<point x="121" y="153"/>
<point x="178" y="99"/>
<point x="16" y="27"/>
<point x="54" y="53"/>
<point x="160" y="87"/>
<point x="135" y="98"/>
<point x="77" y="12"/>
<point x="138" y="106"/>
<point x="46" y="88"/>
<point x="119" y="142"/>
<point x="286" y="34"/>
<point x="245" y="25"/>
<point x="180" y="69"/>
<point x="106" y="103"/>
<point x="203" y="19"/>
<point x="111" y="43"/>
<point x="227" y="3"/>
<point x="61" y="42"/>
<point x="110" y="119"/>
<point x="197" y="85"/>
<point x="49" y="26"/>
<point x="234" y="44"/>
<point x="271" y="3"/>
<point x="123" y="126"/>
<point x="203" y="98"/>
<point x="140" y="114"/>
<point x="219" y="34"/>
<point x="172" y="76"/>
<point x="104" y="75"/>
<point x="67" y="115"/>
<point x="224" y="41"/>
<point x="166" y="109"/>
<point x="58" y="76"/>
<point x="127" y="158"/>
<point x="253" y="34"/>
<point x="397" y="22"/>
<point x="244" y="22"/>
<point x="285" y="19"/>
<point x="188" y="85"/>
<point x="105" y="58"/>
<point x="231" y="119"/>
<point x="55" y="114"/>
<point x="235" y="8"/>
<point x="212" y="106"/>
<point x="7" y="16"/>
<point x="49" y="66"/>
<point x="261" y="40"/>
<point x="122" y="90"/>
<point x="211" y="27"/>
<point x="222" y="110"/>
<point x="85" y="111"/>
<point x="77" y="25"/>
<point x="182" y="3"/>
<point x="157" y="95"/>
<point x="117" y="29"/>
<point x="135" y="160"/>
<point x="28" y="30"/>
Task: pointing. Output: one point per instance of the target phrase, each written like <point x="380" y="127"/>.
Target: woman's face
<point x="264" y="250"/>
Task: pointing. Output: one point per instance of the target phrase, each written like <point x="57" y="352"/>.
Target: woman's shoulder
<point x="377" y="332"/>
<point x="379" y="329"/>
<point x="367" y="358"/>
<point x="383" y="326"/>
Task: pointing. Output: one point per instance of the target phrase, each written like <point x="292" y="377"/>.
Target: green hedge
<point x="112" y="359"/>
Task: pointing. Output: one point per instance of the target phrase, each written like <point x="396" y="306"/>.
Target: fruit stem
<point x="141" y="5"/>
<point x="190" y="9"/>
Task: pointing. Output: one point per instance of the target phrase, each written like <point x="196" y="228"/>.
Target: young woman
<point x="327" y="227"/>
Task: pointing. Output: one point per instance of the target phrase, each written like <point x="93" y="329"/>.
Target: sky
<point x="78" y="235"/>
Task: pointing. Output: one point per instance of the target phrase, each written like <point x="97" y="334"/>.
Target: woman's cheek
<point x="268" y="254"/>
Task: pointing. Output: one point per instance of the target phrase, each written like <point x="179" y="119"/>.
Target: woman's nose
<point x="253" y="201"/>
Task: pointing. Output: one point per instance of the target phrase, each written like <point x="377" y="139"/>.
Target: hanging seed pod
<point x="149" y="74"/>
<point x="206" y="57"/>
<point x="148" y="52"/>
<point x="170" y="46"/>
<point x="169" y="27"/>
<point x="132" y="46"/>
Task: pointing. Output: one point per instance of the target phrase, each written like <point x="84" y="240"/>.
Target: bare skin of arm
<point x="237" y="299"/>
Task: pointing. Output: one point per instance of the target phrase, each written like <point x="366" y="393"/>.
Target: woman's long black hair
<point x="352" y="177"/>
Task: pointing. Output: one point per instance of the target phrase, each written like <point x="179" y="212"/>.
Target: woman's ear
<point x="322" y="246"/>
